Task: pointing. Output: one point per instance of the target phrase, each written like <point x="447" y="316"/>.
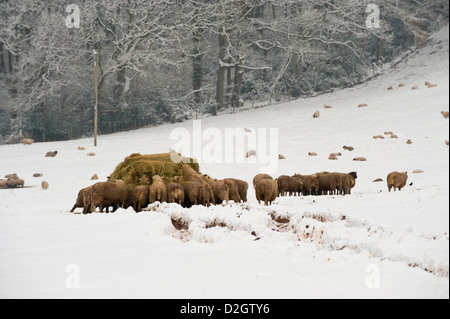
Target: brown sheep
<point x="51" y="154"/>
<point x="94" y="177"/>
<point x="348" y="181"/>
<point x="335" y="154"/>
<point x="327" y="106"/>
<point x="138" y="197"/>
<point x="81" y="148"/>
<point x="15" y="182"/>
<point x="12" y="176"/>
<point x="190" y="174"/>
<point x="242" y="188"/>
<point x="175" y="193"/>
<point x="401" y="85"/>
<point x="233" y="190"/>
<point x="415" y="87"/>
<point x="250" y="153"/>
<point x="444" y="114"/>
<point x="330" y="183"/>
<point x="90" y="154"/>
<point x="3" y="183"/>
<point x="158" y="190"/>
<point x="281" y="156"/>
<point x="80" y="203"/>
<point x="408" y="142"/>
<point x="332" y="157"/>
<point x="427" y="83"/>
<point x="362" y="105"/>
<point x="377" y="180"/>
<point x="104" y="194"/>
<point x="348" y="148"/>
<point x="316" y="114"/>
<point x="394" y="136"/>
<point x="417" y="171"/>
<point x="390" y="88"/>
<point x="288" y="184"/>
<point x="266" y="190"/>
<point x="432" y="86"/>
<point x="378" y="137"/>
<point x="312" y="154"/>
<point x="259" y="177"/>
<point x="27" y="141"/>
<point x="446" y="142"/>
<point x="309" y="184"/>
<point x="396" y="180"/>
<point x="388" y="133"/>
<point x="207" y="194"/>
<point x="37" y="175"/>
<point x="44" y="185"/>
<point x="221" y="192"/>
<point x="360" y="159"/>
<point x="193" y="193"/>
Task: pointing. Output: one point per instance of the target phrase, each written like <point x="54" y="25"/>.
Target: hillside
<point x="370" y="244"/>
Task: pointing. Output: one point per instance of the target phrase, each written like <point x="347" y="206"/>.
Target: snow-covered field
<point x="370" y="244"/>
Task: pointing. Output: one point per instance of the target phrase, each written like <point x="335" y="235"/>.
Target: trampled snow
<point x="370" y="244"/>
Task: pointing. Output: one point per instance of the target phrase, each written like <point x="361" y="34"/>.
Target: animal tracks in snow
<point x="290" y="226"/>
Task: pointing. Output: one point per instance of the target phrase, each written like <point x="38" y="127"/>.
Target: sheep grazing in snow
<point x="348" y="148"/>
<point x="327" y="106"/>
<point x="332" y="157"/>
<point x="12" y="176"/>
<point x="175" y="193"/>
<point x="242" y="188"/>
<point x="105" y="194"/>
<point x="415" y="87"/>
<point x="360" y="159"/>
<point x="446" y="142"/>
<point x="266" y="190"/>
<point x="44" y="185"/>
<point x="193" y="193"/>
<point x="427" y="83"/>
<point x="3" y="183"/>
<point x="138" y="197"/>
<point x="388" y="133"/>
<point x="51" y="154"/>
<point x="362" y="105"/>
<point x="378" y="137"/>
<point x="259" y="177"/>
<point x="432" y="86"/>
<point x="396" y="180"/>
<point x="94" y="177"/>
<point x="221" y="192"/>
<point x="27" y="141"/>
<point x="377" y="180"/>
<point x="390" y="88"/>
<point x="394" y="136"/>
<point x="408" y="142"/>
<point x="336" y="154"/>
<point x="281" y="156"/>
<point x="309" y="184"/>
<point x="330" y="183"/>
<point x="81" y="148"/>
<point x="233" y="190"/>
<point x="312" y="154"/>
<point x="158" y="190"/>
<point x="417" y="171"/>
<point x="288" y="184"/>
<point x="82" y="200"/>
<point x="37" y="175"/>
<point x="444" y="114"/>
<point x="250" y="153"/>
<point x="401" y="85"/>
<point x="316" y="114"/>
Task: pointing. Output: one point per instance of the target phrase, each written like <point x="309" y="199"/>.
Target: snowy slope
<point x="371" y="244"/>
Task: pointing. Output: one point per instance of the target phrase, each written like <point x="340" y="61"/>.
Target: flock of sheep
<point x="201" y="189"/>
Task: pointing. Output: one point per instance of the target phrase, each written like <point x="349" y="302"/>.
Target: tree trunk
<point x="221" y="73"/>
<point x="238" y="75"/>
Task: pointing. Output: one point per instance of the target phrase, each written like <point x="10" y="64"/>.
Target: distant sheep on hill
<point x="316" y="114"/>
<point x="27" y="141"/>
<point x="312" y="154"/>
<point x="348" y="148"/>
<point x="51" y="154"/>
<point x="444" y="114"/>
<point x="378" y="137"/>
<point x="360" y="159"/>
